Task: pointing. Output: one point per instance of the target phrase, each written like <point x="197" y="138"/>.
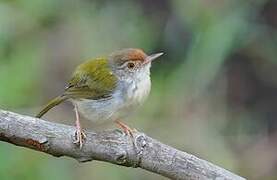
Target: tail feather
<point x="54" y="102"/>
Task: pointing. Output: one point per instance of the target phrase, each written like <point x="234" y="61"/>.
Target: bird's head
<point x="130" y="63"/>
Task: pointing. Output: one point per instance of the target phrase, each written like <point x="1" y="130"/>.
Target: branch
<point x="110" y="146"/>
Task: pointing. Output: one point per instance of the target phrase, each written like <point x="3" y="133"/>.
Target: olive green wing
<point x="91" y="80"/>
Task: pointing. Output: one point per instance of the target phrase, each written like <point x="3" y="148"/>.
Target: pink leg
<point x="79" y="134"/>
<point x="125" y="128"/>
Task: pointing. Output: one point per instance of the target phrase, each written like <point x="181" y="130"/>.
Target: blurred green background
<point x="214" y="91"/>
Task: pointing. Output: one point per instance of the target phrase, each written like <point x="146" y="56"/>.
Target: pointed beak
<point x="152" y="57"/>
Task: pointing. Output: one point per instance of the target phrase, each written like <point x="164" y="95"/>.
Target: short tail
<point x="54" y="102"/>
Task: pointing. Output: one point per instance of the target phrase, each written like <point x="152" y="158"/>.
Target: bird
<point x="107" y="89"/>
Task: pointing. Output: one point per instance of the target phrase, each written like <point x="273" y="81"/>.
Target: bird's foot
<point x="80" y="137"/>
<point x="126" y="129"/>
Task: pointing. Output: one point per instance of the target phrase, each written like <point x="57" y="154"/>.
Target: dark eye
<point x="131" y="65"/>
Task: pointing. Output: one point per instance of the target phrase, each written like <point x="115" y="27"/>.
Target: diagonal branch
<point x="110" y="146"/>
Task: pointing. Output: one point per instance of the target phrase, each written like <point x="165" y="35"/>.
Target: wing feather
<point x="91" y="80"/>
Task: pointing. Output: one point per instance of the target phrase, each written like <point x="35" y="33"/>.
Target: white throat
<point x="138" y="87"/>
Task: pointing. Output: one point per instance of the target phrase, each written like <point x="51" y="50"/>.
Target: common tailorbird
<point x="107" y="88"/>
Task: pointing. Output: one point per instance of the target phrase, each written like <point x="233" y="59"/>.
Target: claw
<point x="126" y="129"/>
<point x="80" y="137"/>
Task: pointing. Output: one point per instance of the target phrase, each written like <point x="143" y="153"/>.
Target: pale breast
<point x="139" y="90"/>
<point x="98" y="110"/>
<point x="126" y="98"/>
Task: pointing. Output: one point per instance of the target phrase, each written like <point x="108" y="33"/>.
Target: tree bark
<point x="110" y="146"/>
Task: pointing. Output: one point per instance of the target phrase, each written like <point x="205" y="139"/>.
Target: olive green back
<point x="92" y="80"/>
